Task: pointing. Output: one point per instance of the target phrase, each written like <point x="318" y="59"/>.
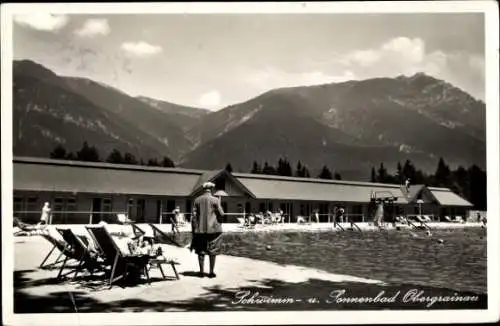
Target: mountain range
<point x="349" y="126"/>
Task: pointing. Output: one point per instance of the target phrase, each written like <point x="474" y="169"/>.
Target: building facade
<point x="84" y="192"/>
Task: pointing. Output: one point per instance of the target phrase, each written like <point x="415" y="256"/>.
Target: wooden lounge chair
<point x="120" y="263"/>
<point x="78" y="249"/>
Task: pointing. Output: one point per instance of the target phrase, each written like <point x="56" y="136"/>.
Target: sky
<point x="215" y="60"/>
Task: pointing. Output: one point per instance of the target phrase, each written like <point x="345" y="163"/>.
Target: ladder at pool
<point x="418" y="227"/>
<point x="335" y="225"/>
<point x="355" y="226"/>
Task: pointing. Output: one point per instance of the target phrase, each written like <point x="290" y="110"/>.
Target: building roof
<point x="307" y="189"/>
<point x="101" y="178"/>
<point x="449" y="198"/>
<point x="35" y="174"/>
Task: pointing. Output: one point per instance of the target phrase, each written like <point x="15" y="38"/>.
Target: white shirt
<point x="45" y="213"/>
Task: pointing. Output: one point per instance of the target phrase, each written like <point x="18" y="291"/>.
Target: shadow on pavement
<point x="310" y="295"/>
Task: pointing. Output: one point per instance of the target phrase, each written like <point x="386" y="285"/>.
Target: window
<point x="70" y="208"/>
<point x="262" y="207"/>
<point x="63" y="210"/>
<point x="107" y="206"/>
<point x="357" y="209"/>
<point x="305" y="210"/>
<point x="18" y="206"/>
<point x="188" y="207"/>
<point x="287" y="209"/>
<point x="132" y="209"/>
<point x="168" y="206"/>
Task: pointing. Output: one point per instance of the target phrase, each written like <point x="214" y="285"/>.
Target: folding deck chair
<point x="56" y="244"/>
<point x="162" y="237"/>
<point x="120" y="263"/>
<point x="25" y="227"/>
<point x="77" y="249"/>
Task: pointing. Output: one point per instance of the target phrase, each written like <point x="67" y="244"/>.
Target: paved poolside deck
<point x="37" y="291"/>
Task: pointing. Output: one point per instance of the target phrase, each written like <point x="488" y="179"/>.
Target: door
<point x="96" y="210"/>
<point x="248" y="208"/>
<point x="141" y="204"/>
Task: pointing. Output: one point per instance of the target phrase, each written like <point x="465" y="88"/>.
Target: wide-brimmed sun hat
<point x="208" y="185"/>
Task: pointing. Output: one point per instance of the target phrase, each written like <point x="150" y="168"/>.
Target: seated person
<point x="301" y="220"/>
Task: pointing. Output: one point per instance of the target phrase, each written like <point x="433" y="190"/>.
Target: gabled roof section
<point x="207" y="176"/>
<point x="412" y="192"/>
<point x="210" y="176"/>
<point x="446" y="197"/>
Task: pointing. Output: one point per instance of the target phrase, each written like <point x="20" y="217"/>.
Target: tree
<point x="409" y="172"/>
<point x="229" y="168"/>
<point x="399" y="174"/>
<point x="382" y="175"/>
<point x="373" y="177"/>
<point x="299" y="171"/>
<point x="477" y="187"/>
<point x="153" y="162"/>
<point x="287" y="169"/>
<point x="129" y="158"/>
<point x="59" y="152"/>
<point x="255" y="168"/>
<point x="442" y="177"/>
<point x="325" y="173"/>
<point x="268" y="169"/>
<point x="337" y="176"/>
<point x="284" y="168"/>
<point x="115" y="157"/>
<point x="87" y="153"/>
<point x="305" y="172"/>
<point x="167" y="162"/>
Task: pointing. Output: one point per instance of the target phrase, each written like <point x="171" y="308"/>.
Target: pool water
<point x="401" y="257"/>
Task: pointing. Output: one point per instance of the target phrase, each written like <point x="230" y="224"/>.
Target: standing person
<point x="175" y="220"/>
<point x="206" y="228"/>
<point x="45" y="217"/>
<point x="341" y="215"/>
<point x="316" y="215"/>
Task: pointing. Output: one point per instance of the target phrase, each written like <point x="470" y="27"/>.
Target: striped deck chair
<point x="121" y="264"/>
<point x="77" y="248"/>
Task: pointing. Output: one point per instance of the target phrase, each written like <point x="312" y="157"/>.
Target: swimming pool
<point x="401" y="257"/>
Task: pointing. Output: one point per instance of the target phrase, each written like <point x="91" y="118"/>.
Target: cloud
<point x="42" y="22"/>
<point x="407" y="56"/>
<point x="210" y="99"/>
<point x="93" y="27"/>
<point x="141" y="49"/>
<point x="275" y="78"/>
<point x="397" y="53"/>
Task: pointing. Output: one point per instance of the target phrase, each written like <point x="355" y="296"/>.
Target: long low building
<point x="84" y="192"/>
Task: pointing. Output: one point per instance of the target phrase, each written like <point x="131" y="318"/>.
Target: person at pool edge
<point x="44" y="218"/>
<point x="206" y="228"/>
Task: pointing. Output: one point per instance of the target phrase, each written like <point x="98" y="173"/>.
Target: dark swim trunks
<point x="207" y="243"/>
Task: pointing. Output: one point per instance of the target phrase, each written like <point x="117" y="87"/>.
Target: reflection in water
<point x="458" y="262"/>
